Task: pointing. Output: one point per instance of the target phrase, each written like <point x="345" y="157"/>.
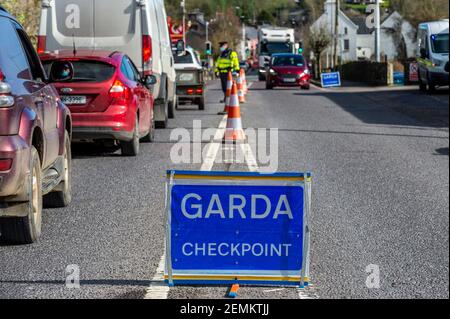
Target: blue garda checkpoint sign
<point x="243" y="228"/>
<point x="332" y="79"/>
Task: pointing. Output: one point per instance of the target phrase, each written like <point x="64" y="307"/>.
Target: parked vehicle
<point x="433" y="53"/>
<point x="35" y="129"/>
<point x="190" y="80"/>
<point x="273" y="40"/>
<point x="137" y="28"/>
<point x="244" y="65"/>
<point x="108" y="98"/>
<point x="288" y="70"/>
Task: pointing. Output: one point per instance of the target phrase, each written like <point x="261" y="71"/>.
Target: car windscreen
<point x="269" y="48"/>
<point x="184" y="59"/>
<point x="288" y="61"/>
<point x="88" y="71"/>
<point x="439" y="43"/>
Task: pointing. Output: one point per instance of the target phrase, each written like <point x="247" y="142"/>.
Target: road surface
<point x="380" y="197"/>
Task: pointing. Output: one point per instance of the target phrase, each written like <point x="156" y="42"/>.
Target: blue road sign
<point x="330" y="79"/>
<point x="243" y="228"/>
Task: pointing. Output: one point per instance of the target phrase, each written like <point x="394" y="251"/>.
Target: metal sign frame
<point x="259" y="278"/>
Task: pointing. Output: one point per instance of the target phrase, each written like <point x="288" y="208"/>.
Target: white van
<point x="137" y="28"/>
<point x="432" y="54"/>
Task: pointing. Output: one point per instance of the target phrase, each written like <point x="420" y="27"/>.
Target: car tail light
<point x="41" y="43"/>
<point x="5" y="164"/>
<point x="147" y="48"/>
<point x="119" y="92"/>
<point x="190" y="91"/>
<point x="199" y="91"/>
<point x="6" y="100"/>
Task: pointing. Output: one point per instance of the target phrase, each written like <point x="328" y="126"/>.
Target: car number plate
<point x="73" y="99"/>
<point x="289" y="80"/>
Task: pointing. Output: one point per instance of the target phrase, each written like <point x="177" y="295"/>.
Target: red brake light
<point x="5" y="165"/>
<point x="41" y="43"/>
<point x="199" y="91"/>
<point x="190" y="91"/>
<point x="120" y="92"/>
<point x="147" y="48"/>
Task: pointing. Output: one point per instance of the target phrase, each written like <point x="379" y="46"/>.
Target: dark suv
<point x="35" y="128"/>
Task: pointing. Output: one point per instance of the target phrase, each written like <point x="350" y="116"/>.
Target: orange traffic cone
<point x="244" y="81"/>
<point x="240" y="88"/>
<point x="234" y="131"/>
<point x="228" y="93"/>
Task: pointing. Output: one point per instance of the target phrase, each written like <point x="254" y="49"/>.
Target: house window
<point x="346" y="31"/>
<point x="346" y="44"/>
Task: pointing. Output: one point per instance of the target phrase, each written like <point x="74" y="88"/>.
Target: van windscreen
<point x="183" y="59"/>
<point x="440" y="43"/>
<point x="88" y="71"/>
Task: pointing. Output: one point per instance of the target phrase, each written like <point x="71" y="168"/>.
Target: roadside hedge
<point x="372" y="73"/>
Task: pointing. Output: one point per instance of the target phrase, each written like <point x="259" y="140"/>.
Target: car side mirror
<point x="149" y="80"/>
<point x="61" y="71"/>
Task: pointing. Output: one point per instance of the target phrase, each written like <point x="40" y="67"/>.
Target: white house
<point x="357" y="40"/>
<point x="347" y="32"/>
<point x="398" y="38"/>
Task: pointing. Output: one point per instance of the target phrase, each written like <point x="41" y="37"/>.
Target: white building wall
<point x="327" y="20"/>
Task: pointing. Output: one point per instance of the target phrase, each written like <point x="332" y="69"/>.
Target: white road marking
<point x="307" y="292"/>
<point x="158" y="289"/>
<point x="213" y="148"/>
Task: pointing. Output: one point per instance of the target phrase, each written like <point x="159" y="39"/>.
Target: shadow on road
<point x="420" y="109"/>
<point x="442" y="151"/>
<point x="89" y="150"/>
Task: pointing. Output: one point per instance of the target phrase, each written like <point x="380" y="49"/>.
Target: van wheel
<point x="422" y="86"/>
<point x="163" y="124"/>
<point x="63" y="197"/>
<point x="172" y="107"/>
<point x="26" y="230"/>
<point x="131" y="148"/>
<point x="201" y="103"/>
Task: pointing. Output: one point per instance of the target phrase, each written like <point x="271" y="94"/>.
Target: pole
<point x="207" y="31"/>
<point x="377" y="31"/>
<point x="183" y="5"/>
<point x="243" y="41"/>
<point x="336" y="35"/>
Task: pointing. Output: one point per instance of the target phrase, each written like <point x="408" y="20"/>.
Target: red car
<point x="288" y="70"/>
<point x="107" y="97"/>
<point x="35" y="130"/>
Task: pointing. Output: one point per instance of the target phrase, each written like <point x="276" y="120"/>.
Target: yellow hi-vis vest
<point x="228" y="63"/>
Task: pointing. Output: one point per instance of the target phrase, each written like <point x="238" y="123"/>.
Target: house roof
<point x="361" y="22"/>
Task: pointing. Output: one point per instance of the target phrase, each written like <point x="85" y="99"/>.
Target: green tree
<point x="27" y="13"/>
<point x="318" y="41"/>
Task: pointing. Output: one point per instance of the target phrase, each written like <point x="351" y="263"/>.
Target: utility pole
<point x="336" y="35"/>
<point x="377" y="31"/>
<point x="244" y="41"/>
<point x="183" y="6"/>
